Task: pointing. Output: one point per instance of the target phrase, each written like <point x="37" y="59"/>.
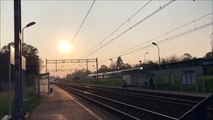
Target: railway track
<point x="136" y="105"/>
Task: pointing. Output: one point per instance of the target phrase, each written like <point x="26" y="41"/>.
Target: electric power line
<point x="165" y="40"/>
<point x="120" y="26"/>
<point x="171" y="38"/>
<point x="166" y="33"/>
<point x="83" y="22"/>
<point x="165" y="5"/>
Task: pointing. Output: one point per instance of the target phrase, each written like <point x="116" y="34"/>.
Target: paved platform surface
<point x="187" y="93"/>
<point x="60" y="105"/>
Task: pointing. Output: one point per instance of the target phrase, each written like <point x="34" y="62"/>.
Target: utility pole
<point x="46" y="66"/>
<point x="158" y="54"/>
<point x="87" y="67"/>
<point x="140" y="62"/>
<point x="97" y="69"/>
<point x="144" y="60"/>
<point x="18" y="100"/>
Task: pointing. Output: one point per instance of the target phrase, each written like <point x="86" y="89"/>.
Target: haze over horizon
<point x="58" y="21"/>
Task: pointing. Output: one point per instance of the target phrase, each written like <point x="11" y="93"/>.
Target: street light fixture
<point x="158" y="53"/>
<point x="22" y="76"/>
<point x="22" y="31"/>
<point x="111" y="60"/>
<point x="145" y="56"/>
<point x="30" y="24"/>
<point x="140" y="62"/>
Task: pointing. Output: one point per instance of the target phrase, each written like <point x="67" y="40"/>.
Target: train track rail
<point x="131" y="105"/>
<point x="153" y="96"/>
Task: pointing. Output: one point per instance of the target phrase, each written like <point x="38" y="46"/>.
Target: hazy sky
<point x="59" y="20"/>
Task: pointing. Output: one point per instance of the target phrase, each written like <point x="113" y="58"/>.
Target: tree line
<point x="29" y="52"/>
<point x="120" y="65"/>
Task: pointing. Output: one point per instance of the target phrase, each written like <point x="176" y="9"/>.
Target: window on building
<point x="188" y="78"/>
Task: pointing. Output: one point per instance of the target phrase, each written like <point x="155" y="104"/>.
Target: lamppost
<point x="23" y="75"/>
<point x="145" y="56"/>
<point x="17" y="109"/>
<point x="22" y="31"/>
<point x="111" y="60"/>
<point x="94" y="67"/>
<point x="158" y="53"/>
<point x="140" y="62"/>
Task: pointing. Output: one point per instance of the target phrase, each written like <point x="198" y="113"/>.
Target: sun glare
<point x="65" y="47"/>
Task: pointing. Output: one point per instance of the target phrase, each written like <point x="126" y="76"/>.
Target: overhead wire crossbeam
<point x="70" y="61"/>
<point x="63" y="61"/>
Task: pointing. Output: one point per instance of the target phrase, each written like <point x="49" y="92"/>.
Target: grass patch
<point x="33" y="101"/>
<point x="4" y="103"/>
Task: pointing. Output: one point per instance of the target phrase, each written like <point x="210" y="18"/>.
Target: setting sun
<point x="65" y="47"/>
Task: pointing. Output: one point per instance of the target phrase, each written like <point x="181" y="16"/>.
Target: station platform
<point x="187" y="93"/>
<point x="60" y="105"/>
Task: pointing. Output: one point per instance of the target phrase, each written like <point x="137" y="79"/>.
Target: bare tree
<point x="186" y="57"/>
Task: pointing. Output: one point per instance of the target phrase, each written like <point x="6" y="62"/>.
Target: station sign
<point x="20" y="36"/>
<point x="12" y="55"/>
<point x="23" y="60"/>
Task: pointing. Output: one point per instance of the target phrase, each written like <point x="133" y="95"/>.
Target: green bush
<point x="189" y="87"/>
<point x="33" y="99"/>
<point x="105" y="82"/>
<point x="111" y="82"/>
<point x="205" y="83"/>
<point x="3" y="103"/>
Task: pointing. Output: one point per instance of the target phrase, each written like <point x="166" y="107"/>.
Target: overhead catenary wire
<point x="83" y="22"/>
<point x="184" y="33"/>
<point x="166" y="33"/>
<point x="170" y="38"/>
<point x="166" y="39"/>
<point x="164" y="6"/>
<point x="81" y="25"/>
<point x="115" y="30"/>
<point x="173" y="37"/>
